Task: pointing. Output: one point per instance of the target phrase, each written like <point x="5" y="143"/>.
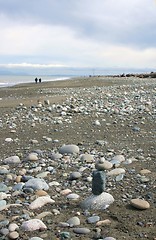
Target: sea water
<point x="61" y="74"/>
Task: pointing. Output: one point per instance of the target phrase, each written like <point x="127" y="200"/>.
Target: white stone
<point x="40" y="202"/>
<point x="116" y="171"/>
<point x="12" y="160"/>
<point x="69" y="149"/>
<point x="33" y="224"/>
<point x="98" y="202"/>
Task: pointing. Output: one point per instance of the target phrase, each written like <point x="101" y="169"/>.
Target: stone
<point x="41" y="193"/>
<point x="140" y="204"/>
<point x="40" y="202"/>
<point x="13" y="235"/>
<point x="3" y="187"/>
<point x="81" y="230"/>
<point x="33" y="225"/>
<point x="109" y="238"/>
<point x="115" y="172"/>
<point x="93" y="219"/>
<point x="32" y="157"/>
<point x="106" y="165"/>
<point x="12" y="160"/>
<point x="73" y="196"/>
<point x="74" y="176"/>
<point x="74" y="221"/>
<point x="35" y="238"/>
<point x="65" y="192"/>
<point x="72" y="149"/>
<point x="145" y="171"/>
<point x="98" y="182"/>
<point x="119" y="158"/>
<point x="97" y="202"/>
<point x="13" y="227"/>
<point x="88" y="158"/>
<point x="103" y="222"/>
<point x="37" y="184"/>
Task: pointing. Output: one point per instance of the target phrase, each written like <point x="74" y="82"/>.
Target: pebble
<point x="74" y="176"/>
<point x="116" y="171"/>
<point x="12" y="160"/>
<point x="32" y="157"/>
<point x="119" y="158"/>
<point x="140" y="204"/>
<point x="35" y="238"/>
<point x="40" y="202"/>
<point x="37" y="184"/>
<point x="73" y="196"/>
<point x="145" y="171"/>
<point x="33" y="225"/>
<point x="93" y="219"/>
<point x="74" y="221"/>
<point x="106" y="165"/>
<point x="13" y="235"/>
<point x="81" y="230"/>
<point x="97" y="202"/>
<point x="72" y="149"/>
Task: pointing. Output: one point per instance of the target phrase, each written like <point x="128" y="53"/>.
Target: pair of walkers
<point x="36" y="80"/>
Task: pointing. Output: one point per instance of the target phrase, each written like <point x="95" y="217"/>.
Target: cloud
<point x="84" y="32"/>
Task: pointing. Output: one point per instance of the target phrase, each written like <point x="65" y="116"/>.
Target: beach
<point x="98" y="120"/>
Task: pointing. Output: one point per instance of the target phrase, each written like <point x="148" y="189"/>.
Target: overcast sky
<point x="78" y="33"/>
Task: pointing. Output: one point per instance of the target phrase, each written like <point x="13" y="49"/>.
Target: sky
<point x="78" y="33"/>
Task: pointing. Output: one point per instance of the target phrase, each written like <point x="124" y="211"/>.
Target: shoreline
<point x="103" y="118"/>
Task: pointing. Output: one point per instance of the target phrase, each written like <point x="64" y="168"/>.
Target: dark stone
<point x="98" y="182"/>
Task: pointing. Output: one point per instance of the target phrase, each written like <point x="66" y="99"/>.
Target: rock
<point x="97" y="202"/>
<point x="42" y="215"/>
<point x="33" y="225"/>
<point x="140" y="204"/>
<point x="64" y="235"/>
<point x="74" y="175"/>
<point x="72" y="149"/>
<point x="40" y="202"/>
<point x="93" y="219"/>
<point x="81" y="230"/>
<point x="98" y="182"/>
<point x="3" y="187"/>
<point x="88" y="158"/>
<point x="73" y="196"/>
<point x="106" y="165"/>
<point x="109" y="238"/>
<point x="119" y="158"/>
<point x="41" y="193"/>
<point x="3" y="195"/>
<point x="37" y="184"/>
<point x="103" y="222"/>
<point x="13" y="235"/>
<point x="35" y="238"/>
<point x="74" y="221"/>
<point x="65" y="191"/>
<point x="13" y="227"/>
<point x="145" y="171"/>
<point x="32" y="157"/>
<point x="12" y="160"/>
<point x="115" y="172"/>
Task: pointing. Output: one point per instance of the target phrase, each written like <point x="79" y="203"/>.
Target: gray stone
<point x="74" y="175"/>
<point x="69" y="149"/>
<point x="98" y="182"/>
<point x="74" y="221"/>
<point x="93" y="219"/>
<point x="3" y="187"/>
<point x="37" y="184"/>
<point x="12" y="160"/>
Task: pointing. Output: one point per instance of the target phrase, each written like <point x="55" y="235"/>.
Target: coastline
<point x="104" y="117"/>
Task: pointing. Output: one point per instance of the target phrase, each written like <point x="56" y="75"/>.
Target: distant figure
<point x="36" y="80"/>
<point x="40" y="80"/>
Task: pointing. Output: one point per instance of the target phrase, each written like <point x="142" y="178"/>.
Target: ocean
<point x="62" y="74"/>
